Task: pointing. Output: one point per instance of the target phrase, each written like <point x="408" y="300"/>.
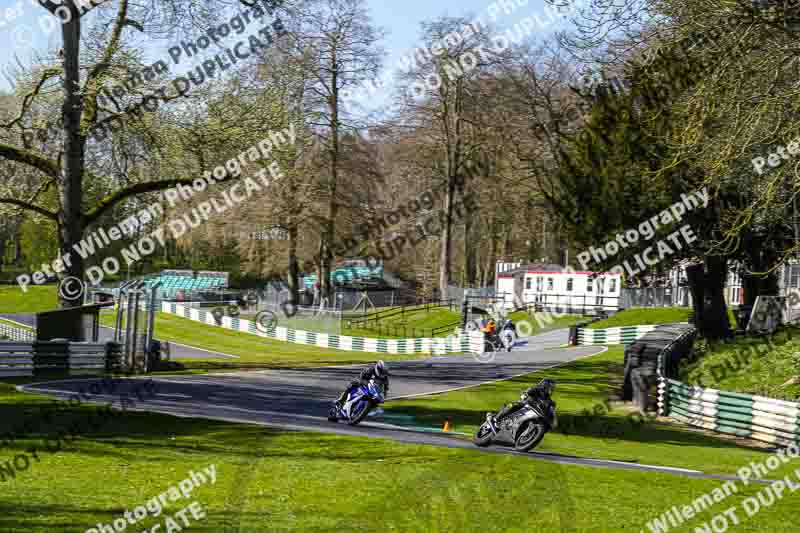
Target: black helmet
<point x="547" y="385"/>
<point x="380" y="369"/>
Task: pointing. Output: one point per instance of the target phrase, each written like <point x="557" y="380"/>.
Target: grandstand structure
<point x="355" y="272"/>
<point x="182" y="284"/>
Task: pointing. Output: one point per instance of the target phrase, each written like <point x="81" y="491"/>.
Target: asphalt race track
<point x="299" y="399"/>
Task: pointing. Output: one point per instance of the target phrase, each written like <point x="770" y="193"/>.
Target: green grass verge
<point x="413" y="318"/>
<point x="642" y="316"/>
<point x="38" y="298"/>
<point x="751" y="365"/>
<point x="15" y="325"/>
<point x="270" y="480"/>
<point x="252" y="350"/>
<point x="588" y="425"/>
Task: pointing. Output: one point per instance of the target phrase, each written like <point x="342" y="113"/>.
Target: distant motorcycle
<point x="358" y="404"/>
<point x="523" y="429"/>
<point x="492" y="343"/>
<point x="509" y="339"/>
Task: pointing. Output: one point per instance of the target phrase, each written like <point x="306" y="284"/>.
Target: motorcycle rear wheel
<point x="361" y="410"/>
<point x="529" y="436"/>
<point x="484" y="435"/>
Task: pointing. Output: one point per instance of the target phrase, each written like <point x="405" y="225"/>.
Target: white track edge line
<point x="605" y="349"/>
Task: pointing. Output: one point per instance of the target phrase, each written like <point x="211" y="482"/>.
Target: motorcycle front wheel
<point x="359" y="412"/>
<point x="529" y="436"/>
<point x="483" y="437"/>
<point x="333" y="414"/>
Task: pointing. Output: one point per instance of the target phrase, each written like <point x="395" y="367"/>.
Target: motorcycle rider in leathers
<point x="378" y="372"/>
<point x="541" y="392"/>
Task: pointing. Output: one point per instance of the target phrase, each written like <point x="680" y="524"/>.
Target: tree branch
<point x="95" y="76"/>
<point x="28" y="99"/>
<point x="139" y="188"/>
<point x="29" y="158"/>
<point x="30" y="207"/>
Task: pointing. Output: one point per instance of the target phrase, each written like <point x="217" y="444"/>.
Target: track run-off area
<point x="299" y="399"/>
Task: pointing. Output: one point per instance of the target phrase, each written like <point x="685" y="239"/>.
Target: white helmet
<point x="380" y="369"/>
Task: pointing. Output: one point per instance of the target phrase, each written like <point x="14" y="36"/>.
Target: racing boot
<point x="490" y="418"/>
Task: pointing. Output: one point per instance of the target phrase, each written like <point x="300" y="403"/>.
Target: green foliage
<point x="39" y="243"/>
<point x="751" y="365"/>
<point x="36" y="299"/>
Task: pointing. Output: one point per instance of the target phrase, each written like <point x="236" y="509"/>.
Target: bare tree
<point x="345" y="54"/>
<point x="81" y="109"/>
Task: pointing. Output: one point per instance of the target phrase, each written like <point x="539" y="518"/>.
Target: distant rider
<point x="543" y="391"/>
<point x="378" y="372"/>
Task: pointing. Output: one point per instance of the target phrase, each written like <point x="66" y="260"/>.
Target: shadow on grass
<point x="608" y="427"/>
<point x="58" y="517"/>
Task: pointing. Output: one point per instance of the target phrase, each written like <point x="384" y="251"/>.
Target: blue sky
<point x="22" y="32"/>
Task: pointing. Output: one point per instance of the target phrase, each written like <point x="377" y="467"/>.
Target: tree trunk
<point x="70" y="217"/>
<point x="322" y="271"/>
<point x="294" y="296"/>
<point x="695" y="276"/>
<point x="760" y="261"/>
<point x="330" y="229"/>
<point x="447" y="232"/>
<point x="508" y="249"/>
<point x="491" y="261"/>
<point x="17" y="245"/>
<point x="715" y="317"/>
<point x="471" y="242"/>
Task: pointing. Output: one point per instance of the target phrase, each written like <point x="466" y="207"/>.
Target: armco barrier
<point x="16" y="334"/>
<point x="621" y="335"/>
<point x="16" y="359"/>
<point x="87" y="358"/>
<point x="754" y="417"/>
<point x="467" y="343"/>
<point x="29" y="358"/>
<point x="664" y="346"/>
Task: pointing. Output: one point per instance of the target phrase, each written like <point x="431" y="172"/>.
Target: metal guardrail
<point x="19" y="358"/>
<point x="412" y="331"/>
<point x="400" y="311"/>
<point x="759" y="418"/>
<point x="16" y="334"/>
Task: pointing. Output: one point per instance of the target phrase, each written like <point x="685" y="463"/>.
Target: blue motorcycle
<point x="358" y="404"/>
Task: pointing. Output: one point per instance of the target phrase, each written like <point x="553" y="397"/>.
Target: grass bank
<point x="643" y="316"/>
<point x="753" y="365"/>
<point x="271" y="480"/>
<point x="38" y="298"/>
<point x="589" y="426"/>
<point x="253" y="351"/>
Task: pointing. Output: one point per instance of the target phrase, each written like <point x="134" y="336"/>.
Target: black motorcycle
<point x="523" y="429"/>
<point x="493" y="343"/>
